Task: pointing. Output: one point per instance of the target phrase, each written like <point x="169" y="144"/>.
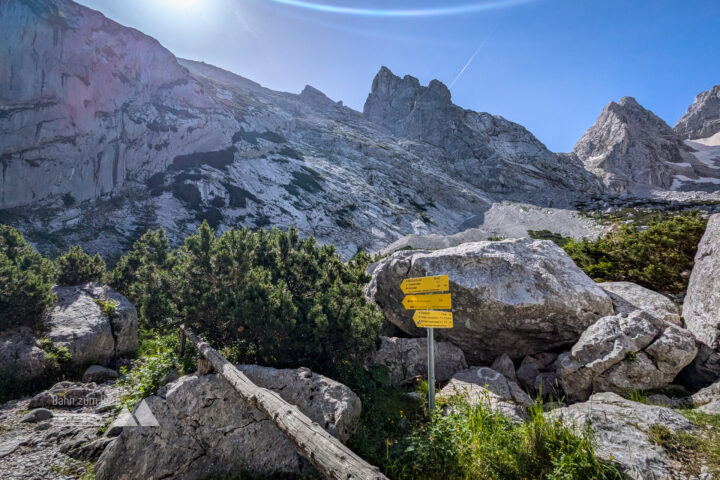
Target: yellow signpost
<point x="438" y="283"/>
<point x="427" y="317"/>
<point x="422" y="302"/>
<point x="433" y="319"/>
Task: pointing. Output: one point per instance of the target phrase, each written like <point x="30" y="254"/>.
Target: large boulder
<point x="518" y="297"/>
<point x="482" y="385"/>
<point x="406" y="358"/>
<point x="207" y="429"/>
<point x="701" y="308"/>
<point x="623" y="352"/>
<point x="21" y="357"/>
<point x="621" y="431"/>
<point x="77" y="322"/>
<point x="628" y="297"/>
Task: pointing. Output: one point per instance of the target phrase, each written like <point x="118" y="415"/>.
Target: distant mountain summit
<point x="495" y="154"/>
<point x="702" y="119"/>
<point x="632" y="150"/>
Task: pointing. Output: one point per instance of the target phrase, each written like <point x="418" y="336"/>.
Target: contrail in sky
<point x="469" y="61"/>
<point x="476" y="6"/>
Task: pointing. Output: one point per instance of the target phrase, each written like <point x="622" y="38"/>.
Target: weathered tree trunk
<point x="325" y="452"/>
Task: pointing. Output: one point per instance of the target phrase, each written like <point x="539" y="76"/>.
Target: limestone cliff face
<point x="702" y="118"/>
<point x="500" y="156"/>
<point x="634" y="151"/>
<point x="86" y="103"/>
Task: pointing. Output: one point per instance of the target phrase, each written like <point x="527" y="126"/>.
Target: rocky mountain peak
<point x="630" y="148"/>
<point x="702" y="118"/>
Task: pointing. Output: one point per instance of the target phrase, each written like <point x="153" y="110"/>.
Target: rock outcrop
<point x="625" y="352"/>
<point x="702" y="118"/>
<point x="21" y="357"/>
<point x="406" y="359"/>
<point x="633" y="151"/>
<point x="206" y="429"/>
<point x="77" y="322"/>
<point x="628" y="297"/>
<point x="621" y="429"/>
<point x="482" y="385"/>
<point x="701" y="307"/>
<point x="518" y="297"/>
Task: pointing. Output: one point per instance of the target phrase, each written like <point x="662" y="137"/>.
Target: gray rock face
<point x="206" y="428"/>
<point x="21" y="357"/>
<point x="620" y="427"/>
<point x="628" y="297"/>
<point x="632" y="150"/>
<point x="701" y="307"/>
<point x="98" y="104"/>
<point x="518" y="297"/>
<point x="37" y="415"/>
<point x="109" y="111"/>
<point x="625" y="352"/>
<point x="702" y="118"/>
<point x="77" y="323"/>
<point x="407" y="358"/>
<point x="502" y="155"/>
<point x="484" y="385"/>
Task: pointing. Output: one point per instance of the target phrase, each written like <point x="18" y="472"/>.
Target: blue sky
<point x="550" y="65"/>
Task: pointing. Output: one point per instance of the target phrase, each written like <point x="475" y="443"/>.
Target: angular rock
<point x="625" y="352"/>
<point x="704" y="370"/>
<point x="206" y="429"/>
<point x="504" y="364"/>
<point x="37" y="415"/>
<point x="528" y="372"/>
<point x="702" y="118"/>
<point x="77" y="323"/>
<point x="620" y="430"/>
<point x="701" y="308"/>
<point x="628" y="297"/>
<point x="712" y="408"/>
<point x="484" y="385"/>
<point x="406" y="359"/>
<point x="707" y="394"/>
<point x="99" y="374"/>
<point x="21" y="357"/>
<point x="518" y="297"/>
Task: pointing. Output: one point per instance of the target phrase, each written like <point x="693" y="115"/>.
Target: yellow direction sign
<point x="438" y="283"/>
<point x="433" y="319"/>
<point x="423" y="302"/>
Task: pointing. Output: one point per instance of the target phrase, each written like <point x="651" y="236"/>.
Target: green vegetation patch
<point x="559" y="239"/>
<point x="76" y="267"/>
<point x="657" y="257"/>
<point x="308" y="180"/>
<point x="26" y="280"/>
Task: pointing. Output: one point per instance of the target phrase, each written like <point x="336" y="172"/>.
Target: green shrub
<point x="159" y="357"/>
<point x="265" y="297"/>
<point x="76" y="267"/>
<point x="655" y="258"/>
<point x="472" y="441"/>
<point x="26" y="280"/>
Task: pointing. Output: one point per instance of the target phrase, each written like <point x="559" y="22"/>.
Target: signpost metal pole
<point x="431" y="368"/>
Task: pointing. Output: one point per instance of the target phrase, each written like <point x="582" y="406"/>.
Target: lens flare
<point x="419" y="12"/>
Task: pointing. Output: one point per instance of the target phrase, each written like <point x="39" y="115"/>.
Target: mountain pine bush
<point x="76" y="267"/>
<point x="26" y="280"/>
<point x="657" y="257"/>
<point x="266" y="297"/>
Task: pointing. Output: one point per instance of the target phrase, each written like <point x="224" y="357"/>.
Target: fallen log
<point x="325" y="452"/>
